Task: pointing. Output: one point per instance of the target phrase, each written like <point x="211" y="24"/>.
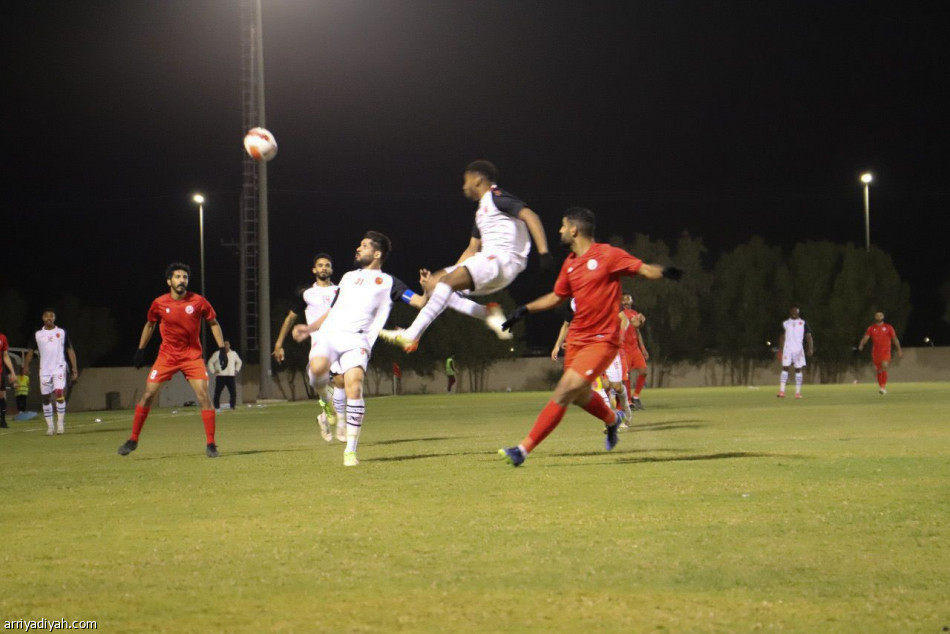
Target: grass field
<point x="722" y="510"/>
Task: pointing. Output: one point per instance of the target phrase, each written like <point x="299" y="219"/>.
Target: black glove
<point x="517" y="315"/>
<point x="222" y="358"/>
<point x="673" y="273"/>
<point x="545" y="262"/>
<point x="138" y="359"/>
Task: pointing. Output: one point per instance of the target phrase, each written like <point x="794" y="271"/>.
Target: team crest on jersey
<point x="379" y="281"/>
<point x="591" y="264"/>
<point x="364" y="351"/>
<point x="189" y="309"/>
<point x="57" y="335"/>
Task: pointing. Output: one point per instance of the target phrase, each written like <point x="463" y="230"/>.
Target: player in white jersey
<point x="349" y="329"/>
<point x="53" y="346"/>
<point x="792" y="343"/>
<point x="313" y="303"/>
<point x="497" y="252"/>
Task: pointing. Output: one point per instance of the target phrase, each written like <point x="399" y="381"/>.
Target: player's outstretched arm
<point x="897" y="344"/>
<point x="74" y="367"/>
<point x="545" y="302"/>
<point x="656" y="271"/>
<point x="536" y="229"/>
<point x="285" y="327"/>
<point x="561" y="336"/>
<point x="138" y="360"/>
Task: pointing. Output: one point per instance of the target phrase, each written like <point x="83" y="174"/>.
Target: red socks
<point x="549" y="418"/>
<point x="207" y="417"/>
<point x="641" y="381"/>
<point x="141" y="413"/>
<point x="882" y="379"/>
<point x="598" y="409"/>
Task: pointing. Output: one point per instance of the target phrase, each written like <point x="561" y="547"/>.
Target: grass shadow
<point x="398" y="441"/>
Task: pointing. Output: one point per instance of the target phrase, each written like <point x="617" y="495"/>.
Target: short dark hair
<point x="485" y="168"/>
<point x="582" y="218"/>
<point x="48" y="310"/>
<point x="322" y="256"/>
<point x="177" y="266"/>
<point x="380" y="242"/>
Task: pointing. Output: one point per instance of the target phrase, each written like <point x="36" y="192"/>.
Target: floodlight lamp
<point x="198" y="198"/>
<point x="866" y="178"/>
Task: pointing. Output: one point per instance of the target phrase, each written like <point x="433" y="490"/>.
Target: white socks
<point x="467" y="307"/>
<point x="783" y="381"/>
<point x="433" y="308"/>
<point x="339" y="402"/>
<point x="355" y="410"/>
<point x="798" y="382"/>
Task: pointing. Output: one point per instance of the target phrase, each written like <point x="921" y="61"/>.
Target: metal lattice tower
<point x="248" y="238"/>
<point x="255" y="257"/>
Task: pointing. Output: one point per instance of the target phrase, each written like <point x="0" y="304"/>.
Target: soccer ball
<point x="260" y="144"/>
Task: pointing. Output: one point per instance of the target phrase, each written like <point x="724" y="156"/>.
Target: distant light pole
<point x="866" y="178"/>
<point x="198" y="198"/>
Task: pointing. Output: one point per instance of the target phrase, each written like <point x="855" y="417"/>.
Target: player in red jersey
<point x="591" y="275"/>
<point x="881" y="336"/>
<point x="634" y="351"/>
<point x="5" y="354"/>
<point x="180" y="313"/>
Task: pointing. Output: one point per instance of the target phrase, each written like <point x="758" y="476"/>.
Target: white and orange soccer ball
<point x="260" y="144"/>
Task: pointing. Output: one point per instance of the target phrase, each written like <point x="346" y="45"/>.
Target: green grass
<point x="723" y="510"/>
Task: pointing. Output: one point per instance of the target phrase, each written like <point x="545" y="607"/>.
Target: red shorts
<point x="164" y="370"/>
<point x="879" y="358"/>
<point x="590" y="360"/>
<point x="635" y="360"/>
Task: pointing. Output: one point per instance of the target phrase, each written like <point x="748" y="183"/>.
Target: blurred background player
<point x="313" y="302"/>
<point x="634" y="351"/>
<point x="450" y="371"/>
<point x="497" y="252"/>
<point x="53" y="345"/>
<point x="179" y="314"/>
<point x="591" y="274"/>
<point x="8" y="364"/>
<point x="224" y="377"/>
<point x="22" y="389"/>
<point x="349" y="329"/>
<point x="795" y="337"/>
<point x="882" y="335"/>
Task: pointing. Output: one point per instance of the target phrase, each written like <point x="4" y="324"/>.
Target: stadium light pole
<point x="200" y="200"/>
<point x="866" y="178"/>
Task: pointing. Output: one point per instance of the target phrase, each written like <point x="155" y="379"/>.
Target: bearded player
<point x="882" y="335"/>
<point x="591" y="274"/>
<point x="178" y="314"/>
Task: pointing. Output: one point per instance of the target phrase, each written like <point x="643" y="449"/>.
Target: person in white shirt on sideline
<point x="225" y="378"/>
<point x="792" y="345"/>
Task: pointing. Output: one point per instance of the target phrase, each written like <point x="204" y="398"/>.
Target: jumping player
<point x="792" y="343"/>
<point x="497" y="252"/>
<point x="591" y="274"/>
<point x="881" y="336"/>
<point x="349" y="329"/>
<point x="53" y="345"/>
<point x="178" y="314"/>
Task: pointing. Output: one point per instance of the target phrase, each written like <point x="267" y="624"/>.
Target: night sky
<point x="726" y="119"/>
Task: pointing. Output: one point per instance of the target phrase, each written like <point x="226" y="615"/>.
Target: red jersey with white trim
<point x="593" y="280"/>
<point x="881" y="336"/>
<point x="631" y="336"/>
<point x="180" y="324"/>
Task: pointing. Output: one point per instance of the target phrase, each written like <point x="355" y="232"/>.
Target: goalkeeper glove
<point x="673" y="273"/>
<point x="138" y="359"/>
<point x="222" y="358"/>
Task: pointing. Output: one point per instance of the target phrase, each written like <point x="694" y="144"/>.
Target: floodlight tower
<point x="254" y="240"/>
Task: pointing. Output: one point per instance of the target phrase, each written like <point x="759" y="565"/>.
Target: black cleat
<point x="3" y="424"/>
<point x="211" y="450"/>
<point x="128" y="447"/>
<point x="636" y="403"/>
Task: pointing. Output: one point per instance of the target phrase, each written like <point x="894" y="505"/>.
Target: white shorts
<point x="344" y="350"/>
<point x="51" y="382"/>
<point x="491" y="272"/>
<point x="615" y="370"/>
<point x="334" y="366"/>
<point x="793" y="357"/>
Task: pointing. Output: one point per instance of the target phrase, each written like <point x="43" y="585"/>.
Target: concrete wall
<point x="94" y="385"/>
